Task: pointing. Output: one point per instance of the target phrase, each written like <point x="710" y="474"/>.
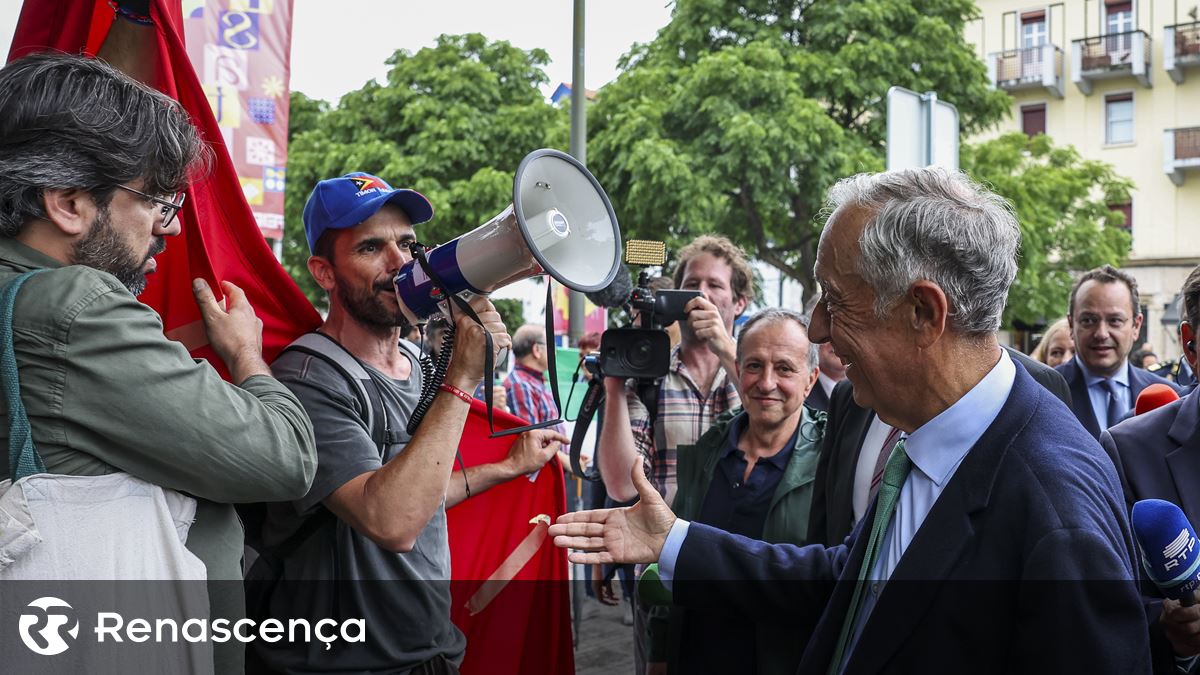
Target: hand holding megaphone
<point x="467" y="361"/>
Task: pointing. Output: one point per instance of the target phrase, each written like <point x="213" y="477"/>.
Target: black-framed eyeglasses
<point x="170" y="205"/>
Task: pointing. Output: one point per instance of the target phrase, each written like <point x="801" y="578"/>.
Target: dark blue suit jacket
<point x="1081" y="404"/>
<point x="1157" y="455"/>
<point x="1024" y="564"/>
<point x="817" y="398"/>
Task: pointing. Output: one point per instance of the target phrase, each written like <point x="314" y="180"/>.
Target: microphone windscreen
<point x="615" y="294"/>
<point x="1155" y="396"/>
<point x="1168" y="546"/>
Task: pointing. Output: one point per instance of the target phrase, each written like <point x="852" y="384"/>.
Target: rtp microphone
<point x="1168" y="546"/>
<point x="1154" y="396"/>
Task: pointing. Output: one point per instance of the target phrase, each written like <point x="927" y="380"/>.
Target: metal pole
<point x="578" y="151"/>
<point x="928" y="103"/>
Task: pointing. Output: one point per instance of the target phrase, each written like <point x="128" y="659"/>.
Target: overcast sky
<point x="338" y="46"/>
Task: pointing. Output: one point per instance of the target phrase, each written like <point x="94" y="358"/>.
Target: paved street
<point x="605" y="646"/>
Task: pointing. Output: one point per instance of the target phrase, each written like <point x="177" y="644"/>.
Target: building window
<point x="1126" y="210"/>
<point x="1118" y="118"/>
<point x="1118" y="19"/>
<point x="1033" y="29"/>
<point x="1033" y="119"/>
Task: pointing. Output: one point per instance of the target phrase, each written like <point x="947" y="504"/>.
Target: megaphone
<point x="559" y="223"/>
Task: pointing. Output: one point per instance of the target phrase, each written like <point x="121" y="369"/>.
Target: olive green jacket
<point x="779" y="648"/>
<point x="106" y="391"/>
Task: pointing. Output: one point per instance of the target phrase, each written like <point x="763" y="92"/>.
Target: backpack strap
<point x="23" y="458"/>
<point x="365" y="389"/>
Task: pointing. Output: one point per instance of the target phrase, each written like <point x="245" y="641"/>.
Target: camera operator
<point x="648" y="422"/>
<point x="388" y="497"/>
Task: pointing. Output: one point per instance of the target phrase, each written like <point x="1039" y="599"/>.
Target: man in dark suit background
<point x="1157" y="455"/>
<point x="1105" y="317"/>
<point x="996" y="512"/>
<point x="832" y="372"/>
<point x="852" y="451"/>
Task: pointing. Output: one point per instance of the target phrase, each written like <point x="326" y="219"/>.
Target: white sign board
<point x="921" y="130"/>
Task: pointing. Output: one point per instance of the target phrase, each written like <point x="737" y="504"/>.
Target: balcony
<point x="1181" y="49"/>
<point x="1028" y="68"/>
<point x="1108" y="56"/>
<point x="1181" y="152"/>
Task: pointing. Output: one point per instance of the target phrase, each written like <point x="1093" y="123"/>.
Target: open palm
<point x="634" y="534"/>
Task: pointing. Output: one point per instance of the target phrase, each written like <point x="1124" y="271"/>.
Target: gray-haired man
<point x="998" y="539"/>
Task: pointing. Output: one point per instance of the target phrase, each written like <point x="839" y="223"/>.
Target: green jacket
<point x="106" y="391"/>
<point x="779" y="648"/>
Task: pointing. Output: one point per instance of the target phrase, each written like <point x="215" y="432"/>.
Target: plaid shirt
<point x="683" y="415"/>
<point x="529" y="396"/>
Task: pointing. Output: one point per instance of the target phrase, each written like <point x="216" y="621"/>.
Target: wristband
<point x="451" y="389"/>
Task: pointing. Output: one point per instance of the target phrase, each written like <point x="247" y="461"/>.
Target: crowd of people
<point x="877" y="486"/>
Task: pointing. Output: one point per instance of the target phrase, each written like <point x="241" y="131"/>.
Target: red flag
<point x="220" y="240"/>
<point x="510" y="593"/>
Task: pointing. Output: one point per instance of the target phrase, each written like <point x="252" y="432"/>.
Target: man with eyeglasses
<point x="1105" y="318"/>
<point x="92" y="166"/>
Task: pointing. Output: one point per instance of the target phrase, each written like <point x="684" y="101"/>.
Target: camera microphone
<point x="615" y="294"/>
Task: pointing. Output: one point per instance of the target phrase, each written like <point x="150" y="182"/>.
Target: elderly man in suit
<point x="998" y="541"/>
<point x="1105" y="317"/>
<point x="1157" y="455"/>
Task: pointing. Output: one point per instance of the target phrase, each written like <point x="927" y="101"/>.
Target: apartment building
<point x="1120" y="81"/>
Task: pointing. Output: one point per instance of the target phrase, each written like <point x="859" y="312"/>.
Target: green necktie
<point x="894" y="473"/>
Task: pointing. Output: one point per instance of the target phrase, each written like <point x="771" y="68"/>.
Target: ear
<point x="72" y="211"/>
<point x="930" y="311"/>
<point x="812" y="381"/>
<point x="1137" y="323"/>
<point x="1187" y="338"/>
<point x="322" y="271"/>
<point x="740" y="306"/>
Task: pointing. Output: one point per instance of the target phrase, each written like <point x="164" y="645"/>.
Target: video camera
<point x="644" y="351"/>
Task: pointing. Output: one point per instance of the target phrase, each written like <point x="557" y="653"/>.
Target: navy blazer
<point x="1082" y="404"/>
<point x="1024" y="564"/>
<point x="1157" y="455"/>
<point x="817" y="398"/>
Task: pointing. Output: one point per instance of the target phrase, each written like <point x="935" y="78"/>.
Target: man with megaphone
<point x="376" y="513"/>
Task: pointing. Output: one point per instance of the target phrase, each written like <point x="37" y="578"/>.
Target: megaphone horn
<point x="559" y="223"/>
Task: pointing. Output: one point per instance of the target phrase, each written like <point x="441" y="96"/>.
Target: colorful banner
<point x="241" y="51"/>
<point x="595" y="319"/>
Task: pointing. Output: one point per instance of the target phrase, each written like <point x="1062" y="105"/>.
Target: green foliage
<point x="452" y="121"/>
<point x="739" y="116"/>
<point x="512" y="312"/>
<point x="1062" y="202"/>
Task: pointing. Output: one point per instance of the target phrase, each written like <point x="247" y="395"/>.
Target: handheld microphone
<point x="1167" y="544"/>
<point x="1154" y="396"/>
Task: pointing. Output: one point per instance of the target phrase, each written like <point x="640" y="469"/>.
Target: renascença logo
<point x="43" y="626"/>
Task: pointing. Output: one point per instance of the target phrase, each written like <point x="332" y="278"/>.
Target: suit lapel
<point x="1080" y="401"/>
<point x="1184" y="461"/>
<point x="946" y="533"/>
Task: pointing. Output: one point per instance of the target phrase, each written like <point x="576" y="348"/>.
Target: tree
<point x="1063" y="204"/>
<point x="452" y="121"/>
<point x="738" y="117"/>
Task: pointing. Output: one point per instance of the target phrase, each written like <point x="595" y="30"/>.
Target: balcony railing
<point x="1181" y="152"/>
<point x="1028" y="68"/>
<point x="1181" y="49"/>
<point x="1112" y="55"/>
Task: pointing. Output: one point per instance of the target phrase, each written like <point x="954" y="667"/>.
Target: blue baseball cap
<point x="338" y="203"/>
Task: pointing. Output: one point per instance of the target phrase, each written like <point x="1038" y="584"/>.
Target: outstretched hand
<point x="633" y="534"/>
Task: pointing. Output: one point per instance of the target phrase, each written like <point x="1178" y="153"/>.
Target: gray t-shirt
<point x="338" y="572"/>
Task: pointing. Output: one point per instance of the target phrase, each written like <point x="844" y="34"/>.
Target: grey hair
<point x="776" y="315"/>
<point x="937" y="225"/>
<point x="525" y="337"/>
<point x="71" y="122"/>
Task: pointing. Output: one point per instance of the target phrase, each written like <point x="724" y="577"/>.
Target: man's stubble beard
<point x="102" y="248"/>
<point x="368" y="310"/>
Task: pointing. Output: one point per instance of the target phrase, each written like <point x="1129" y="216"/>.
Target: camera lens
<point x="640" y="355"/>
